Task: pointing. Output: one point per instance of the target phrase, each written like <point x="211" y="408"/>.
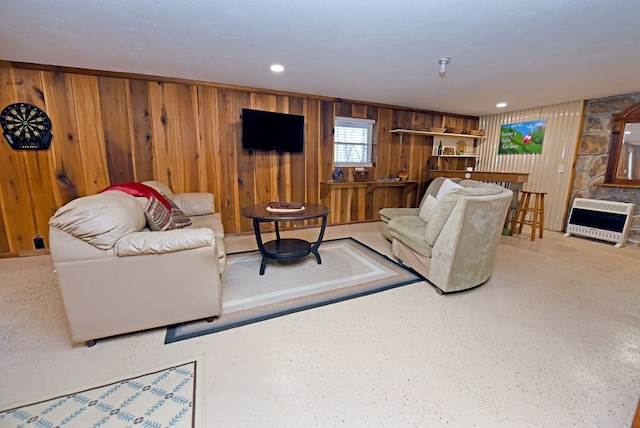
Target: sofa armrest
<point x="197" y="203"/>
<point x="141" y="243"/>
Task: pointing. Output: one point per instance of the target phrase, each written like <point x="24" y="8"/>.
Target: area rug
<point x="349" y="269"/>
<point x="165" y="397"/>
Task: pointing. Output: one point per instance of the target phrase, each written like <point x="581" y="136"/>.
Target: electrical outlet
<point x="38" y="241"/>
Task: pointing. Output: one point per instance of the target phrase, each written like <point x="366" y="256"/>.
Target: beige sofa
<point x="118" y="276"/>
<point x="455" y="246"/>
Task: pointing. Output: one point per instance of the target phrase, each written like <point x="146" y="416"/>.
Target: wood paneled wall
<point x="109" y="128"/>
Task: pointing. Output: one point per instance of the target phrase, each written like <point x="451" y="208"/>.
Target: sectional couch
<point x="453" y="242"/>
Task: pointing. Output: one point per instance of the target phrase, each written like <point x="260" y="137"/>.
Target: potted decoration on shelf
<point x="403" y="175"/>
<point x="360" y="174"/>
<point x="338" y="174"/>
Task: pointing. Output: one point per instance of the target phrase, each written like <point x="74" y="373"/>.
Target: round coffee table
<point x="287" y="248"/>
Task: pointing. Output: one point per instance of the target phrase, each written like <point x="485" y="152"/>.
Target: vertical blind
<point x="354" y="142"/>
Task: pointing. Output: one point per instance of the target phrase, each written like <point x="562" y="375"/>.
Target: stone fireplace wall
<point x="593" y="153"/>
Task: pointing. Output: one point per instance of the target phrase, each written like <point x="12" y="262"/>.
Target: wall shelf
<point x="497" y="177"/>
<point x="455" y="156"/>
<point x="440" y="134"/>
<point x="453" y="162"/>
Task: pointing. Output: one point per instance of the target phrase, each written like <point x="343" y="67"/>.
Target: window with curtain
<point x="353" y="142"/>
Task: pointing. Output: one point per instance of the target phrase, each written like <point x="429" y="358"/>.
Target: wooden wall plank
<point x="88" y="117"/>
<point x="68" y="167"/>
<point x="320" y="158"/>
<point x="13" y="181"/>
<point x="6" y="98"/>
<point x="142" y="130"/>
<point x="187" y="137"/>
<point x="115" y="120"/>
<point x="245" y="171"/>
<point x="165" y="116"/>
<point x="297" y="170"/>
<point x="210" y="144"/>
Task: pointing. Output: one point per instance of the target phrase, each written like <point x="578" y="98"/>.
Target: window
<point x="353" y="142"/>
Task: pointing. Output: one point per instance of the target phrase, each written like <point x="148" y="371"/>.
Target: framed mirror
<point x="623" y="167"/>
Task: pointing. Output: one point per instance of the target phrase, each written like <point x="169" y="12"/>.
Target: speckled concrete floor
<point x="551" y="340"/>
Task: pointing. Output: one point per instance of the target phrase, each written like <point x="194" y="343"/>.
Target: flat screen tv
<point x="269" y="131"/>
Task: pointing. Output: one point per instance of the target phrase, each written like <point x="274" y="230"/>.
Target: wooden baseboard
<point x="26" y="253"/>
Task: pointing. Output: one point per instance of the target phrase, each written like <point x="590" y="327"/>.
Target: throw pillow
<point x="446" y="186"/>
<point x="441" y="214"/>
<point x="427" y="208"/>
<point x="178" y="216"/>
<point x="158" y="216"/>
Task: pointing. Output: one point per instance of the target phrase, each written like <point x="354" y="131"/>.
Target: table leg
<point x="277" y="231"/>
<point x="314" y="248"/>
<point x="263" y="265"/>
<point x="256" y="229"/>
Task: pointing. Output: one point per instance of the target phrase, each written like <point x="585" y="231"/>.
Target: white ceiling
<point x="525" y="53"/>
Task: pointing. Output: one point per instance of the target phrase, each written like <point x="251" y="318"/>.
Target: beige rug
<point x="349" y="269"/>
<point x="166" y="397"/>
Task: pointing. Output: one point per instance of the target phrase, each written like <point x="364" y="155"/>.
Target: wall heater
<point x="604" y="220"/>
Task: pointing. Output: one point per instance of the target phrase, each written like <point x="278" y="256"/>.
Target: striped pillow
<point x="158" y="216"/>
<point x="178" y="216"/>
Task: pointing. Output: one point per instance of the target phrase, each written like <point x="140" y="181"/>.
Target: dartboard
<point x="26" y="126"/>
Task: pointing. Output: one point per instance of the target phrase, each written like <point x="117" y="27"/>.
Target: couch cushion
<point x="410" y="231"/>
<point x="142" y="243"/>
<point x="387" y="214"/>
<point x="158" y="216"/>
<point x="198" y="203"/>
<point x="447" y="185"/>
<point x="100" y="219"/>
<point x="427" y="208"/>
<point x="211" y="221"/>
<point x="160" y="187"/>
<point x="434" y="187"/>
<point x="441" y="212"/>
<point x="429" y="202"/>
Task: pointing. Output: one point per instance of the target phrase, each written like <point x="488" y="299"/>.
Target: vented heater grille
<point x="605" y="220"/>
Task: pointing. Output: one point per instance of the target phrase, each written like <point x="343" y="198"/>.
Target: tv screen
<point x="279" y="132"/>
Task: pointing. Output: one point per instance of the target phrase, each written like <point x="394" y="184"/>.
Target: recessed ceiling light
<point x="277" y="68"/>
<point x="501" y="105"/>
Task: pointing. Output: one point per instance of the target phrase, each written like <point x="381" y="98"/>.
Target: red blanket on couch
<point x="139" y="189"/>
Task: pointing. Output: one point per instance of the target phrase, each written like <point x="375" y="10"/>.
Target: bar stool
<point x="537" y="218"/>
